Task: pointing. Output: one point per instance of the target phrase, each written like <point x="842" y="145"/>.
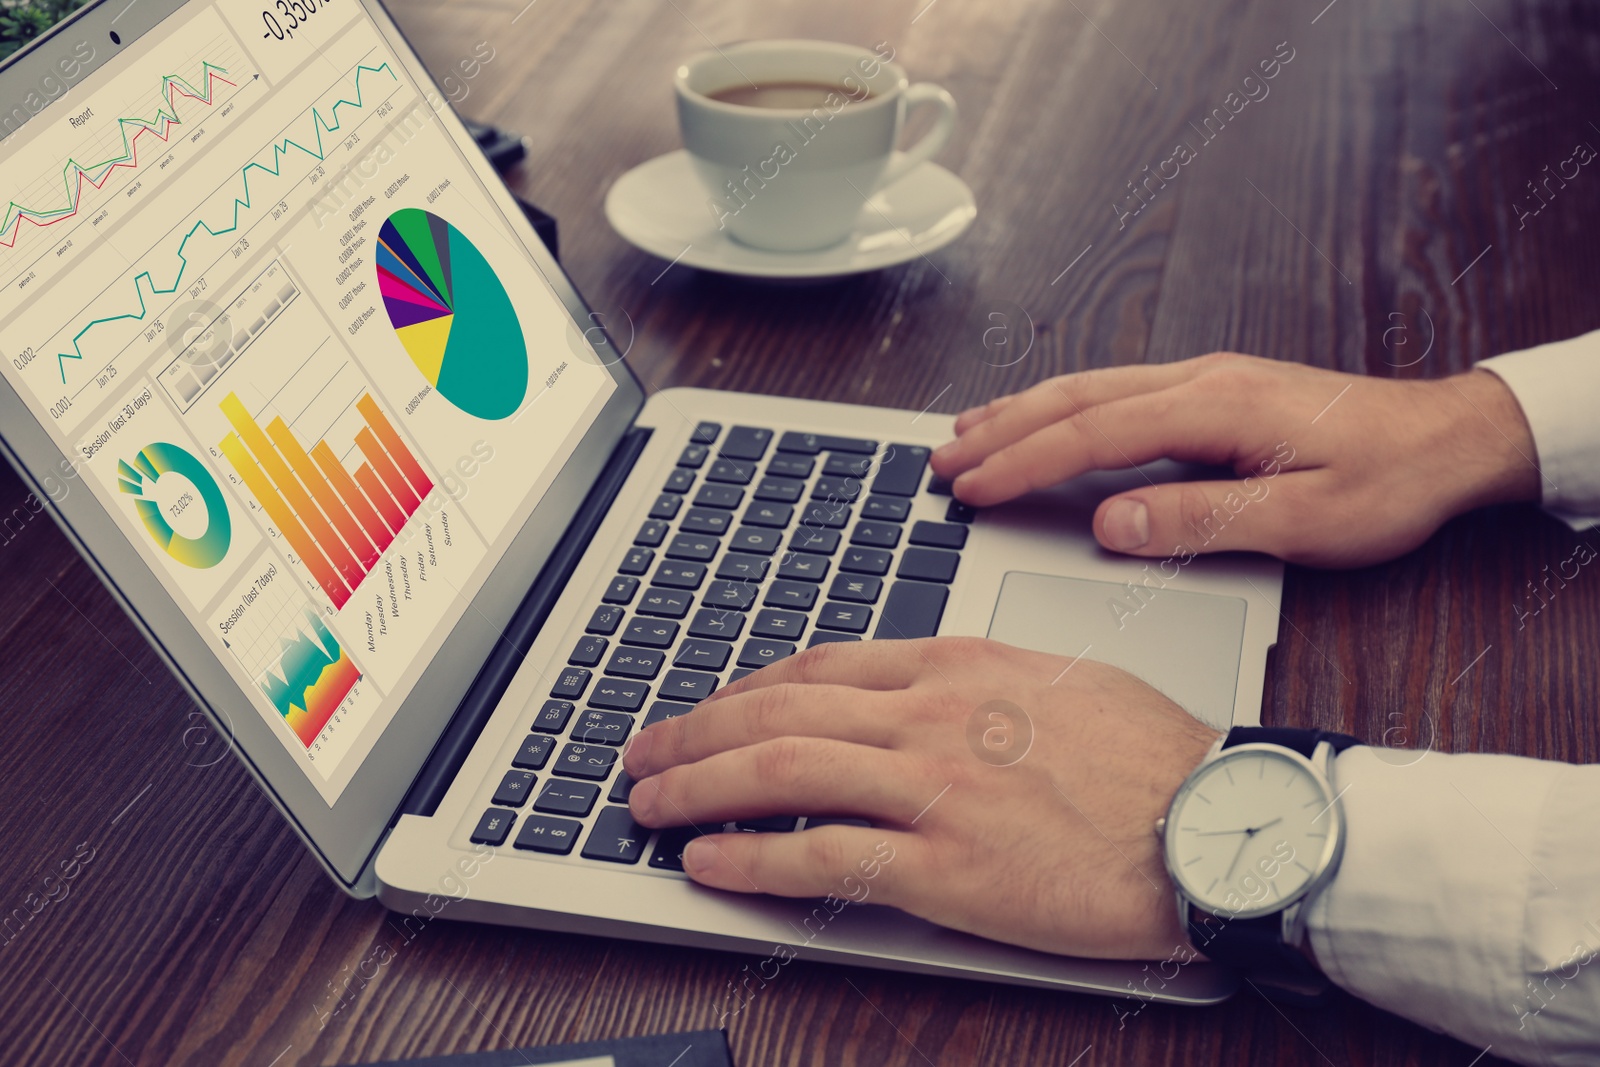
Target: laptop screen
<point x="256" y="292"/>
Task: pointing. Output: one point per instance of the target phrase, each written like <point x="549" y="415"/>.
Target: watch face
<point x="1250" y="831"/>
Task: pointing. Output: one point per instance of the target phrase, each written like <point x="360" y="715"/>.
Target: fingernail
<point x="1127" y="525"/>
<point x="643" y="797"/>
<point x="946" y="450"/>
<point x="697" y="856"/>
<point x="638" y="755"/>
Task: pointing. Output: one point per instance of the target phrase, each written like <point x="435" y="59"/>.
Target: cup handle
<point x="932" y="142"/>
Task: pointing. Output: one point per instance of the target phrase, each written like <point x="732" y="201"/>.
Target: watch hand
<point x="1221" y="833"/>
<point x="1264" y="825"/>
<point x="1229" y="876"/>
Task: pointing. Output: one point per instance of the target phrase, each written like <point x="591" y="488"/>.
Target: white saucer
<point x="659" y="207"/>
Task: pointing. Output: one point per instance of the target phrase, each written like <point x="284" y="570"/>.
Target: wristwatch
<point x="1252" y="835"/>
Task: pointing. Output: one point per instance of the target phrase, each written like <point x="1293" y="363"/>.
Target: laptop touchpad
<point x="1185" y="644"/>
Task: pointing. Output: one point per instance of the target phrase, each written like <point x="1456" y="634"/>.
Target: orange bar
<point x="386" y="469"/>
<point x="283" y="518"/>
<point x="368" y="480"/>
<point x="390" y="438"/>
<point x="350" y="493"/>
<point x="298" y="500"/>
<point x="312" y="478"/>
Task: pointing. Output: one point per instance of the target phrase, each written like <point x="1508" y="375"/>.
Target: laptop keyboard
<point x="759" y="544"/>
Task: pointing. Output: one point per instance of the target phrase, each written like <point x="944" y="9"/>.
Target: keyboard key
<point x="928" y="565"/>
<point x="758" y="653"/>
<point x="735" y="596"/>
<point x="790" y="465"/>
<point x="567" y="798"/>
<point x="692" y="547"/>
<point x="636" y="662"/>
<point x="693" y="456"/>
<point x="812" y="443"/>
<point x="772" y="622"/>
<point x="851" y="618"/>
<point x="590" y="762"/>
<point x="737" y="567"/>
<point x="755" y="539"/>
<point x="824" y="541"/>
<point x="514" y="789"/>
<point x="683" y="575"/>
<point x="602" y="728"/>
<point x="845" y="465"/>
<point x="835" y="489"/>
<point x="669" y="603"/>
<point x="651" y="633"/>
<point x="799" y="566"/>
<point x="666" y="506"/>
<point x="493" y="827"/>
<point x="543" y="834"/>
<point x="553" y="716"/>
<point x="823" y="637"/>
<point x="652" y="533"/>
<point x="621" y="590"/>
<point x="731" y="471"/>
<point x="831" y="820"/>
<point x="900" y="473"/>
<point x="746" y="442"/>
<point x="668" y="853"/>
<point x="706" y="433"/>
<point x="589" y="651"/>
<point x="619" y="694"/>
<point x="959" y="512"/>
<point x="876" y="534"/>
<point x="570" y="683"/>
<point x="886" y="508"/>
<point x="681" y="480"/>
<point x="621" y="787"/>
<point x="662" y="710"/>
<point x="687" y="685"/>
<point x="717" y="623"/>
<point x="938" y="486"/>
<point x="859" y="589"/>
<point x="782" y="490"/>
<point x="866" y="561"/>
<point x="534" y="752"/>
<point x="605" y="619"/>
<point x="616" y="838"/>
<point x="776" y="516"/>
<point x="831" y="515"/>
<point x="797" y="595"/>
<point x="706" y="520"/>
<point x="771" y="824"/>
<point x="938" y="534"/>
<point x="912" y="609"/>
<point x="718" y="496"/>
<point x="637" y="561"/>
<point x="741" y="672"/>
<point x="703" y="655"/>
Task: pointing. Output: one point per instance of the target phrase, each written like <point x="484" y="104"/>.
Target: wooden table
<point x="1363" y="216"/>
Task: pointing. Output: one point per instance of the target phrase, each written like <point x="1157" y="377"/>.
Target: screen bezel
<point x="345" y="836"/>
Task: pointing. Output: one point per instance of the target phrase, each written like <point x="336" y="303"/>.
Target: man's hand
<point x="1335" y="470"/>
<point x="1055" y="851"/>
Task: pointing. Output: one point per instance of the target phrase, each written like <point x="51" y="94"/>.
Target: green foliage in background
<point x="23" y="20"/>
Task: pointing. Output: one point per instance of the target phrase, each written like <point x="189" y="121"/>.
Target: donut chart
<point x="140" y="476"/>
<point x="451" y="314"/>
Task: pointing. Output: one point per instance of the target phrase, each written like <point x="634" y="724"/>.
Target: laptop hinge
<point x="486" y="690"/>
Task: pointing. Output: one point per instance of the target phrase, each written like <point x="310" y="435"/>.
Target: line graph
<point x="243" y="202"/>
<point x="160" y="126"/>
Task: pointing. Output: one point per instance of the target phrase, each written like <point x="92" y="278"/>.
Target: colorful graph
<point x="339" y="522"/>
<point x="141" y="475"/>
<point x="314" y="676"/>
<point x="451" y="313"/>
<point x="240" y="203"/>
<point x="75" y="174"/>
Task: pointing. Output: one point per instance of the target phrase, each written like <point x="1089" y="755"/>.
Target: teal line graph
<point x="279" y="150"/>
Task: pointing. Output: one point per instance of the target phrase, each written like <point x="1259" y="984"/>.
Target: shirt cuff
<point x="1556" y="386"/>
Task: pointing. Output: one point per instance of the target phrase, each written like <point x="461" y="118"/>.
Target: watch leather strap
<point x="1256" y="946"/>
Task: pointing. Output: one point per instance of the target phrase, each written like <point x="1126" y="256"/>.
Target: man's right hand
<point x="1334" y="470"/>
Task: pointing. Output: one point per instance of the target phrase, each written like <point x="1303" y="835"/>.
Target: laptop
<point x="301" y="383"/>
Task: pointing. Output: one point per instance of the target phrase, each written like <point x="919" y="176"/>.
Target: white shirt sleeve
<point x="1468" y="898"/>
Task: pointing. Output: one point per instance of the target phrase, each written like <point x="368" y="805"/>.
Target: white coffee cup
<point x="794" y="180"/>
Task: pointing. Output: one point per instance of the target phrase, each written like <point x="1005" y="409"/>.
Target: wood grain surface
<point x="1362" y="216"/>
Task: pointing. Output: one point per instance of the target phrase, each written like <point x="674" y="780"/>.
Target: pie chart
<point x="451" y="314"/>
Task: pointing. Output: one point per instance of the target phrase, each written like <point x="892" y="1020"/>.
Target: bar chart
<point x="338" y="521"/>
